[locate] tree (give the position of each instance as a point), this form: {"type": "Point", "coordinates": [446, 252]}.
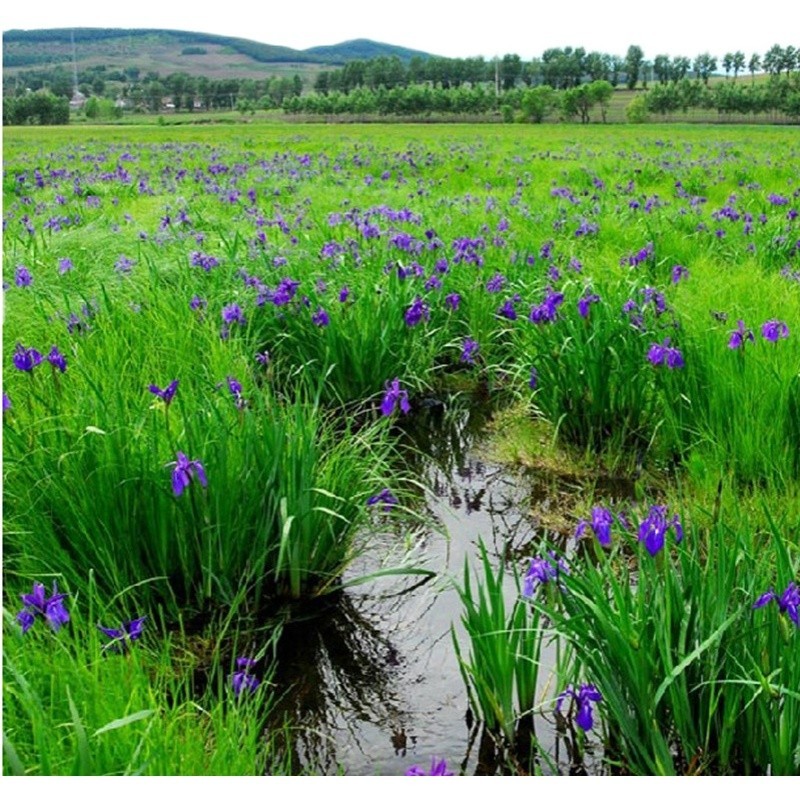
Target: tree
{"type": "Point", "coordinates": [602, 92]}
{"type": "Point", "coordinates": [680, 68]}
{"type": "Point", "coordinates": [537, 103]}
{"type": "Point", "coordinates": [773, 59]}
{"type": "Point", "coordinates": [510, 70]}
{"type": "Point", "coordinates": [633, 64]}
{"type": "Point", "coordinates": [704, 65]}
{"type": "Point", "coordinates": [727, 63]}
{"type": "Point", "coordinates": [754, 65]}
{"type": "Point", "coordinates": [662, 68]}
{"type": "Point", "coordinates": [738, 63]}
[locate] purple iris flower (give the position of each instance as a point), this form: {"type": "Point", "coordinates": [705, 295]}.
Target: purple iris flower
{"type": "Point", "coordinates": [438, 767]}
{"type": "Point", "coordinates": [26, 358]}
{"type": "Point", "coordinates": [38, 604]}
{"type": "Point", "coordinates": [320, 318]}
{"type": "Point", "coordinates": [585, 303]}
{"type": "Point", "coordinates": [417, 312]}
{"type": "Point", "coordinates": [584, 697]}
{"type": "Point", "coordinates": [22, 276]}
{"type": "Point", "coordinates": [183, 473]}
{"type": "Point", "coordinates": [385, 498]}
{"type": "Point", "coordinates": [65, 265]}
{"type": "Point", "coordinates": [243, 679]}
{"type": "Point", "coordinates": [740, 336]}
{"type": "Point", "coordinates": [6, 403]}
{"type": "Point", "coordinates": [654, 527]}
{"type": "Point", "coordinates": [507, 310]}
{"type": "Point", "coordinates": [452, 301]}
{"type": "Point", "coordinates": [469, 350]}
{"type": "Point", "coordinates": [344, 293]}
{"type": "Point", "coordinates": [542, 570]}
{"type": "Point", "coordinates": [659, 354]}
{"type": "Point", "coordinates": [129, 632]}
{"type": "Point", "coordinates": [233, 313]}
{"type": "Point", "coordinates": [167, 393]}
{"type": "Point", "coordinates": [495, 283]}
{"type": "Point", "coordinates": [774, 329]}
{"type": "Point", "coordinates": [679, 273]}
{"type": "Point", "coordinates": [56, 358]}
{"type": "Point", "coordinates": [600, 524]}
{"type": "Point", "coordinates": [533, 380]}
{"type": "Point", "coordinates": [394, 397]}
{"type": "Point", "coordinates": [788, 602]}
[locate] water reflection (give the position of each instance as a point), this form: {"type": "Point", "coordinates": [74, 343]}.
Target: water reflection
{"type": "Point", "coordinates": [372, 680]}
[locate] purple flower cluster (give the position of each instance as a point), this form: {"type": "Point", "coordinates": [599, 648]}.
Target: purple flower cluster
{"type": "Point", "coordinates": [653, 529]}
{"type": "Point", "coordinates": [438, 768]}
{"type": "Point", "coordinates": [417, 312]}
{"type": "Point", "coordinates": [37, 604]}
{"type": "Point", "coordinates": [393, 397]}
{"type": "Point", "coordinates": [788, 602]}
{"type": "Point", "coordinates": [469, 349]}
{"type": "Point", "coordinates": [660, 354]}
{"type": "Point", "coordinates": [774, 329]}
{"type": "Point", "coordinates": [183, 473]}
{"type": "Point", "coordinates": [167, 394]}
{"type": "Point", "coordinates": [547, 310]}
{"type": "Point", "coordinates": [384, 498]}
{"type": "Point", "coordinates": [600, 524]}
{"type": "Point", "coordinates": [243, 680]}
{"type": "Point", "coordinates": [740, 336]}
{"type": "Point", "coordinates": [583, 697]}
{"type": "Point", "coordinates": [120, 637]}
{"type": "Point", "coordinates": [639, 257]}
{"type": "Point", "coordinates": [542, 570]}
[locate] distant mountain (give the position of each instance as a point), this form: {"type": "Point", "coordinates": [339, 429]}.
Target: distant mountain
{"type": "Point", "coordinates": [167, 51]}
{"type": "Point", "coordinates": [362, 49]}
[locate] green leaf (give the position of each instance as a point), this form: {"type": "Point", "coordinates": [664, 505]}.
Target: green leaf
{"type": "Point", "coordinates": [123, 721]}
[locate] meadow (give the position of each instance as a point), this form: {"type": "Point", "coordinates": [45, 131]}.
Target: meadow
{"type": "Point", "coordinates": [215, 340]}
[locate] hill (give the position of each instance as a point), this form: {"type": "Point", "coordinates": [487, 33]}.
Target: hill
{"type": "Point", "coordinates": [167, 51]}
{"type": "Point", "coordinates": [362, 49]}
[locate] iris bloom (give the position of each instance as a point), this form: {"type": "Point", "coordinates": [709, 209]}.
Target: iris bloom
{"type": "Point", "coordinates": [320, 318]}
{"type": "Point", "coordinates": [469, 350]}
{"type": "Point", "coordinates": [740, 336]}
{"type": "Point", "coordinates": [584, 696]}
{"type": "Point", "coordinates": [533, 380]}
{"type": "Point", "coordinates": [56, 358]}
{"type": "Point", "coordinates": [788, 602]}
{"type": "Point", "coordinates": [242, 679]}
{"type": "Point", "coordinates": [393, 397]}
{"type": "Point", "coordinates": [23, 277]}
{"type": "Point", "coordinates": [659, 354]}
{"type": "Point", "coordinates": [600, 524]}
{"type": "Point", "coordinates": [542, 570]}
{"type": "Point", "coordinates": [167, 393]}
{"type": "Point", "coordinates": [129, 632]}
{"type": "Point", "coordinates": [417, 312]}
{"type": "Point", "coordinates": [774, 329]}
{"type": "Point", "coordinates": [385, 498]}
{"type": "Point", "coordinates": [26, 358]}
{"type": "Point", "coordinates": [438, 767]}
{"type": "Point", "coordinates": [37, 603]}
{"type": "Point", "coordinates": [183, 473]}
{"type": "Point", "coordinates": [653, 529]}
{"type": "Point", "coordinates": [585, 303]}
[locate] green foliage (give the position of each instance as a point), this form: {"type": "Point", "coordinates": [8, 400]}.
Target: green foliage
{"type": "Point", "coordinates": [502, 667]}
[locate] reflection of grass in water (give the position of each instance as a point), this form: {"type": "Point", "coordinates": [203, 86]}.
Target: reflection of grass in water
{"type": "Point", "coordinates": [336, 672]}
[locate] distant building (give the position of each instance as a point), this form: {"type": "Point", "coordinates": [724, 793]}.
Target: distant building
{"type": "Point", "coordinates": [78, 100]}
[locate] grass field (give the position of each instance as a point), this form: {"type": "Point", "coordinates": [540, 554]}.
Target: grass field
{"type": "Point", "coordinates": [213, 335]}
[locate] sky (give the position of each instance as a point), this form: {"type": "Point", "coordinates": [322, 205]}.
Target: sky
{"type": "Point", "coordinates": [447, 27]}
